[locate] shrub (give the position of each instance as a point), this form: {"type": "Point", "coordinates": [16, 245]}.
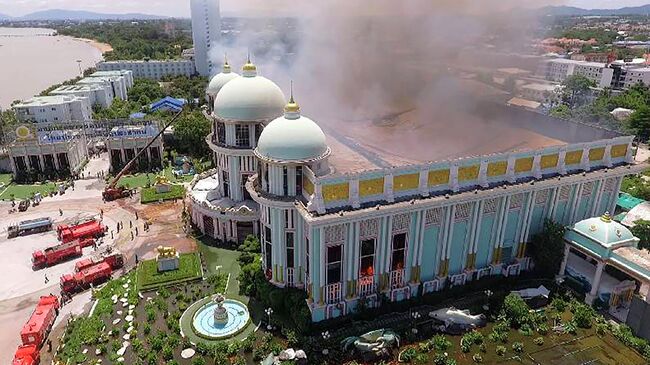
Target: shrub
{"type": "Point", "coordinates": [516, 310]}
{"type": "Point", "coordinates": [146, 329]}
{"type": "Point", "coordinates": [583, 315]}
{"type": "Point", "coordinates": [408, 355]}
{"type": "Point", "coordinates": [477, 358]}
{"type": "Point", "coordinates": [526, 330]}
{"type": "Point", "coordinates": [559, 304]}
{"type": "Point", "coordinates": [198, 360]}
{"type": "Point", "coordinates": [539, 341]}
{"type": "Point", "coordinates": [571, 327]}
{"type": "Point", "coordinates": [482, 348]}
{"type": "Point", "coordinates": [542, 329]}
{"type": "Point", "coordinates": [441, 343]}
{"type": "Point", "coordinates": [167, 353]}
{"type": "Point", "coordinates": [518, 347]}
{"type": "Point", "coordinates": [601, 329]}
{"type": "Point", "coordinates": [501, 350]}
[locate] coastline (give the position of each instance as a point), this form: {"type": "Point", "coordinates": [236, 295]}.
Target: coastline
{"type": "Point", "coordinates": [102, 47]}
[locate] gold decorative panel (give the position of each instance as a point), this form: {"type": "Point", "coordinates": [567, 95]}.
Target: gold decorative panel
{"type": "Point", "coordinates": [573, 158]}
{"type": "Point", "coordinates": [549, 161]}
{"type": "Point", "coordinates": [497, 168]}
{"type": "Point", "coordinates": [523, 164]}
{"type": "Point", "coordinates": [406, 182]}
{"type": "Point", "coordinates": [468, 173]}
{"type": "Point", "coordinates": [619, 151]}
{"type": "Point", "coordinates": [596, 154]}
{"type": "Point", "coordinates": [371, 187]}
{"type": "Point", "coordinates": [438, 177]}
{"type": "Point", "coordinates": [307, 186]}
{"type": "Point", "coordinates": [336, 192]}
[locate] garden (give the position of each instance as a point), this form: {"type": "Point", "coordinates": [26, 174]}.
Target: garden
{"type": "Point", "coordinates": [131, 326]}
{"type": "Point", "coordinates": [150, 195]}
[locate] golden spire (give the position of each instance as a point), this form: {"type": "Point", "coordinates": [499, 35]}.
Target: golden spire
{"type": "Point", "coordinates": [226, 65]}
{"type": "Point", "coordinates": [606, 217]}
{"type": "Point", "coordinates": [249, 66]}
{"type": "Point", "coordinates": [292, 106]}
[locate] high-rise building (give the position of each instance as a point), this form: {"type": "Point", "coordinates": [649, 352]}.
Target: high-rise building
{"type": "Point", "coordinates": [206, 32]}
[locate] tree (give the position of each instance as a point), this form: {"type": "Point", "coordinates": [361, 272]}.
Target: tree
{"type": "Point", "coordinates": [639, 122]}
{"type": "Point", "coordinates": [641, 230]}
{"type": "Point", "coordinates": [190, 132]}
{"type": "Point", "coordinates": [576, 89]}
{"type": "Point", "coordinates": [561, 111]}
{"type": "Point", "coordinates": [547, 248]}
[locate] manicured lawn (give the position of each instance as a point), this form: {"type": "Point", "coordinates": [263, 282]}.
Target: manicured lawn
{"type": "Point", "coordinates": [222, 261]}
{"type": "Point", "coordinates": [149, 195]}
{"type": "Point", "coordinates": [149, 277]}
{"type": "Point", "coordinates": [141, 180]}
{"type": "Point", "coordinates": [21, 192]}
{"type": "Point", "coordinates": [5, 179]}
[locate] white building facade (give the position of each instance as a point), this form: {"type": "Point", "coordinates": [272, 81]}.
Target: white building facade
{"type": "Point", "coordinates": [125, 142]}
{"type": "Point", "coordinates": [151, 69]}
{"type": "Point", "coordinates": [206, 33]}
{"type": "Point", "coordinates": [97, 94]}
{"type": "Point", "coordinates": [53, 109]}
{"type": "Point", "coordinates": [52, 153]}
{"type": "Point", "coordinates": [118, 84]}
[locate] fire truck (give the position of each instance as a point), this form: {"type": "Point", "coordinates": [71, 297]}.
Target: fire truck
{"type": "Point", "coordinates": [35, 331]}
{"type": "Point", "coordinates": [89, 229]}
{"type": "Point", "coordinates": [56, 254]}
{"type": "Point", "coordinates": [73, 283]}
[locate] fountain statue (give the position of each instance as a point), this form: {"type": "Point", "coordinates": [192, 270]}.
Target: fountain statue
{"type": "Point", "coordinates": [220, 313]}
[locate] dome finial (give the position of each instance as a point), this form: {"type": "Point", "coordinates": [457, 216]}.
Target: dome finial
{"type": "Point", "coordinates": [606, 218]}
{"type": "Point", "coordinates": [292, 109]}
{"type": "Point", "coordinates": [249, 69]}
{"type": "Point", "coordinates": [226, 65]}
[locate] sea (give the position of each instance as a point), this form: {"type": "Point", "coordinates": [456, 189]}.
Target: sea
{"type": "Point", "coordinates": [32, 59]}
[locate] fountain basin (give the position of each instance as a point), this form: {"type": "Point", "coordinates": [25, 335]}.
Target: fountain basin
{"type": "Point", "coordinates": [204, 325]}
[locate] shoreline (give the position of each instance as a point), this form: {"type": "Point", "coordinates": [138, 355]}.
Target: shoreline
{"type": "Point", "coordinates": [102, 47]}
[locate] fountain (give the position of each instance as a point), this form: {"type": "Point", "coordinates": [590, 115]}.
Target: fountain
{"type": "Point", "coordinates": [220, 318]}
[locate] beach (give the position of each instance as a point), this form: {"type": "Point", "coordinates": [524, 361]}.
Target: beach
{"type": "Point", "coordinates": [32, 59]}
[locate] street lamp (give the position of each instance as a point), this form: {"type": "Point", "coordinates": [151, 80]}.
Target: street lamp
{"type": "Point", "coordinates": [80, 70]}
{"type": "Point", "coordinates": [268, 312]}
{"type": "Point", "coordinates": [415, 315]}
{"type": "Point", "coordinates": [488, 294]}
{"type": "Point", "coordinates": [326, 336]}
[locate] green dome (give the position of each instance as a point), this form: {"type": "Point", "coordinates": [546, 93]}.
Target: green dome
{"type": "Point", "coordinates": [249, 98]}
{"type": "Point", "coordinates": [604, 230]}
{"type": "Point", "coordinates": [292, 138]}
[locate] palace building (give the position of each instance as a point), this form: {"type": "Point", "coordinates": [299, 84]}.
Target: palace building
{"type": "Point", "coordinates": [397, 205]}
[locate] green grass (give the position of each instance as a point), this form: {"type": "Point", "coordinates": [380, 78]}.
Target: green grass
{"type": "Point", "coordinates": [80, 332]}
{"type": "Point", "coordinates": [222, 261]}
{"type": "Point", "coordinates": [5, 179]}
{"type": "Point", "coordinates": [149, 278]}
{"type": "Point", "coordinates": [149, 195]}
{"type": "Point", "coordinates": [141, 180]}
{"type": "Point", "coordinates": [21, 192]}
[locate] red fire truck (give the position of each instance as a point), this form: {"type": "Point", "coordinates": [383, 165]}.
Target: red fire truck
{"type": "Point", "coordinates": [56, 254]}
{"type": "Point", "coordinates": [72, 283]}
{"type": "Point", "coordinates": [27, 355]}
{"type": "Point", "coordinates": [89, 229]}
{"type": "Point", "coordinates": [115, 260]}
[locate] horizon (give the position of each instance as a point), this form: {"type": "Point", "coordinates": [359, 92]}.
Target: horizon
{"type": "Point", "coordinates": [181, 9]}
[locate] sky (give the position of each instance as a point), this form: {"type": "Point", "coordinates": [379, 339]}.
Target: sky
{"type": "Point", "coordinates": [180, 8]}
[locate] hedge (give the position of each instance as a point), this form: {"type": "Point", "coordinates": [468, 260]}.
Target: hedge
{"type": "Point", "coordinates": [149, 195]}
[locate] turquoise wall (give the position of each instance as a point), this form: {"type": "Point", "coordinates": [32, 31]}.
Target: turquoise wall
{"type": "Point", "coordinates": [458, 247]}
{"type": "Point", "coordinates": [317, 261]}
{"type": "Point", "coordinates": [429, 251]}
{"type": "Point", "coordinates": [485, 241]}
{"type": "Point", "coordinates": [537, 220]}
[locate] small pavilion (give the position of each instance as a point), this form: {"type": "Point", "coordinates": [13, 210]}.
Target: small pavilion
{"type": "Point", "coordinates": [604, 255]}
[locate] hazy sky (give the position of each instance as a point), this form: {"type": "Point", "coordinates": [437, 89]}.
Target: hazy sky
{"type": "Point", "coordinates": [181, 7]}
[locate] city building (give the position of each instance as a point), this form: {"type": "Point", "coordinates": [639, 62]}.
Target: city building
{"type": "Point", "coordinates": [151, 69]}
{"type": "Point", "coordinates": [353, 218]}
{"type": "Point", "coordinates": [206, 33]}
{"type": "Point", "coordinates": [47, 152]}
{"type": "Point", "coordinates": [117, 83]}
{"type": "Point", "coordinates": [542, 93]}
{"type": "Point", "coordinates": [619, 74]}
{"type": "Point", "coordinates": [53, 109]}
{"type": "Point", "coordinates": [125, 142]}
{"type": "Point", "coordinates": [97, 94]}
{"type": "Point", "coordinates": [127, 74]}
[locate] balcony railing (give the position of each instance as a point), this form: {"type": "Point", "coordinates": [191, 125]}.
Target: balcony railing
{"type": "Point", "coordinates": [397, 279]}
{"type": "Point", "coordinates": [333, 293]}
{"type": "Point", "coordinates": [366, 286]}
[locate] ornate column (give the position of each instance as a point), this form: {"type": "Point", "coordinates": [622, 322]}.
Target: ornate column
{"type": "Point", "coordinates": [561, 163]}
{"type": "Point", "coordinates": [595, 283]}
{"type": "Point", "coordinates": [388, 187]}
{"type": "Point", "coordinates": [354, 193]}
